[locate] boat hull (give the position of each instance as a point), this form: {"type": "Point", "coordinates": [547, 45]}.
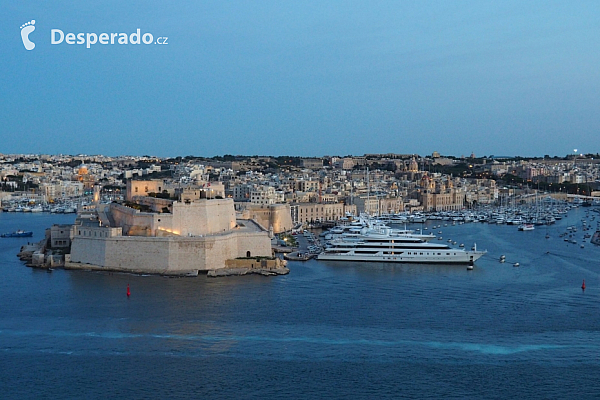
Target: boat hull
{"type": "Point", "coordinates": [17, 234]}
{"type": "Point", "coordinates": [452, 257]}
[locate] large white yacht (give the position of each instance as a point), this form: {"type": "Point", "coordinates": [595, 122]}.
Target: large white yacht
{"type": "Point", "coordinates": [389, 247]}
{"type": "Point", "coordinates": [365, 225]}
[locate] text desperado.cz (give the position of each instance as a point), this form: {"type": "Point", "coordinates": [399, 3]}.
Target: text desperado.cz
{"type": "Point", "coordinates": [57, 37]}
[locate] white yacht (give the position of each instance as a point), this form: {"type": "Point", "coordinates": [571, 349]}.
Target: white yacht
{"type": "Point", "coordinates": [383, 230]}
{"type": "Point", "coordinates": [398, 219]}
{"type": "Point", "coordinates": [365, 226]}
{"type": "Point", "coordinates": [417, 218]}
{"type": "Point", "coordinates": [387, 247]}
{"type": "Point", "coordinates": [526, 227]}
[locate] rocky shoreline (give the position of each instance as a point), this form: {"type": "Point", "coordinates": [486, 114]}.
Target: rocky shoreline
{"type": "Point", "coordinates": [248, 266]}
{"type": "Point", "coordinates": [216, 273]}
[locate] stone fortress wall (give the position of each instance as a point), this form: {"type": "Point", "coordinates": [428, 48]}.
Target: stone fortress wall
{"type": "Point", "coordinates": [200, 217]}
{"type": "Point", "coordinates": [197, 234]}
{"type": "Point", "coordinates": [166, 255]}
{"type": "Point", "coordinates": [272, 216]}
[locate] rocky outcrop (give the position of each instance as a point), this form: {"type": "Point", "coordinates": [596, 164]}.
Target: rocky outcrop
{"type": "Point", "coordinates": [26, 252]}
{"type": "Point", "coordinates": [249, 266]}
{"type": "Point", "coordinates": [34, 254]}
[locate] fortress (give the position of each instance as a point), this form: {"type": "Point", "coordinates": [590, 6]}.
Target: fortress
{"type": "Point", "coordinates": [161, 235]}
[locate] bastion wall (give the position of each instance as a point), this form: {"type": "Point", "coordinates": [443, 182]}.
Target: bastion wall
{"type": "Point", "coordinates": [199, 217]}
{"type": "Point", "coordinates": [277, 216]}
{"type": "Point", "coordinates": [166, 255]}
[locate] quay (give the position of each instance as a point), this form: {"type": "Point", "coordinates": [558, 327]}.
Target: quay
{"type": "Point", "coordinates": [303, 252]}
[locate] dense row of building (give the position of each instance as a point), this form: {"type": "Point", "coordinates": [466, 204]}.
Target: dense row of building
{"type": "Point", "coordinates": [279, 195]}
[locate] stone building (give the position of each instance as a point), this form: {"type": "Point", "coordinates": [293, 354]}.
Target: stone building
{"type": "Point", "coordinates": [164, 236]}
{"type": "Point", "coordinates": [263, 195]}
{"type": "Point", "coordinates": [438, 195]}
{"type": "Point", "coordinates": [312, 163]}
{"type": "Point", "coordinates": [319, 212]}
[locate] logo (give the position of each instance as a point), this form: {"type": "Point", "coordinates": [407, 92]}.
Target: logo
{"type": "Point", "coordinates": [26, 29]}
{"type": "Point", "coordinates": [57, 36]}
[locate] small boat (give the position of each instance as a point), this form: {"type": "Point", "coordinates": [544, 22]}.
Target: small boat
{"type": "Point", "coordinates": [526, 227]}
{"type": "Point", "coordinates": [18, 233]}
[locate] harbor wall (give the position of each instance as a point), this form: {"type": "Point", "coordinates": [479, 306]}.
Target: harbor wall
{"type": "Point", "coordinates": [166, 255]}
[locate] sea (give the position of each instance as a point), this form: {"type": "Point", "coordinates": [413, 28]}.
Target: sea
{"type": "Point", "coordinates": [327, 330]}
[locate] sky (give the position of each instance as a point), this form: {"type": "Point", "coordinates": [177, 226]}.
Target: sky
{"type": "Point", "coordinates": [302, 78]}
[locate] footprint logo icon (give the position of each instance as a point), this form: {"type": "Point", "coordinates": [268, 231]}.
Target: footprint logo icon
{"type": "Point", "coordinates": [26, 29]}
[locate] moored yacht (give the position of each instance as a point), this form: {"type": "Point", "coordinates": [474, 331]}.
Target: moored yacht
{"type": "Point", "coordinates": [365, 226]}
{"type": "Point", "coordinates": [385, 247]}
{"type": "Point", "coordinates": [526, 227]}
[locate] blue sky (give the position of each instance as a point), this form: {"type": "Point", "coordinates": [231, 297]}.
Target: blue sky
{"type": "Point", "coordinates": [304, 78]}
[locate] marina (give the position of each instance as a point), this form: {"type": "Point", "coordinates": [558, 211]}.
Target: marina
{"type": "Point", "coordinates": [373, 238]}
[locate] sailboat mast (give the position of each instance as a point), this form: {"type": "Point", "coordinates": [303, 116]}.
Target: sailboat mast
{"type": "Point", "coordinates": [368, 193]}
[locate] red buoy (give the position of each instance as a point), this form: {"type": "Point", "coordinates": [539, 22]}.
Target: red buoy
{"type": "Point", "coordinates": [129, 293]}
{"type": "Point", "coordinates": [583, 285]}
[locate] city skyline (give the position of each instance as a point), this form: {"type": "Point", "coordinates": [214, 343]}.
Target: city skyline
{"type": "Point", "coordinates": [304, 79]}
{"type": "Point", "coordinates": [430, 155]}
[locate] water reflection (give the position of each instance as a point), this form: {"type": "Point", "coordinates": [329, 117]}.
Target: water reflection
{"type": "Point", "coordinates": [399, 269]}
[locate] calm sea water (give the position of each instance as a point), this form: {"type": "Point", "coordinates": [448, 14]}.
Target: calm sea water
{"type": "Point", "coordinates": [326, 330]}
